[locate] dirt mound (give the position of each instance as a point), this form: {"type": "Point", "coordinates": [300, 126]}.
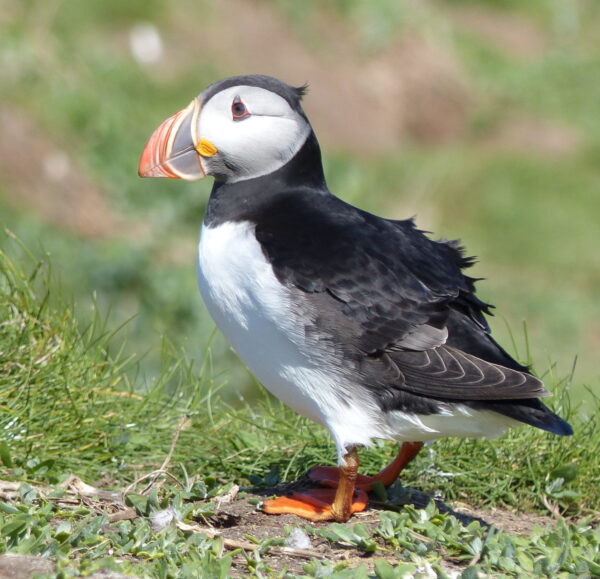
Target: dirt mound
{"type": "Point", "coordinates": [41, 175]}
{"type": "Point", "coordinates": [535, 135]}
{"type": "Point", "coordinates": [514, 36]}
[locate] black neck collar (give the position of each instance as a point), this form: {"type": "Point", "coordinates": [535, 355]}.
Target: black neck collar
{"type": "Point", "coordinates": [240, 200]}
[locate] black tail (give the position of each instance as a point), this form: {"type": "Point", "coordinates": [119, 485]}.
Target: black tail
{"type": "Point", "coordinates": [530, 411]}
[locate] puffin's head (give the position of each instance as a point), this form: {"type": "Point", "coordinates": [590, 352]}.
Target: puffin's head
{"type": "Point", "coordinates": [238, 128]}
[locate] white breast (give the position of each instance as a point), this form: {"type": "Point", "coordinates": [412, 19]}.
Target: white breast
{"type": "Point", "coordinates": [263, 322]}
{"type": "Point", "coordinates": [253, 311]}
{"type": "Point", "coordinates": [258, 317]}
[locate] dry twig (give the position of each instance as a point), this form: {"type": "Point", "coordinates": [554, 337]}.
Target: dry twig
{"type": "Point", "coordinates": [164, 466]}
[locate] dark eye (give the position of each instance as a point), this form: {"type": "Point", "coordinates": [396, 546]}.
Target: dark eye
{"type": "Point", "coordinates": [238, 110]}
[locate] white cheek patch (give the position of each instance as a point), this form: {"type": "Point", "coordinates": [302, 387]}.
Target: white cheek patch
{"type": "Point", "coordinates": [260, 143]}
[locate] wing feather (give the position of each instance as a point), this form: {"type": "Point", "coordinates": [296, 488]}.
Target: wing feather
{"type": "Point", "coordinates": [389, 294]}
{"type": "Point", "coordinates": [447, 373]}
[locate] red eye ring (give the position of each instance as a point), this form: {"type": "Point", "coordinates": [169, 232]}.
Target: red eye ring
{"type": "Point", "coordinates": [239, 110]}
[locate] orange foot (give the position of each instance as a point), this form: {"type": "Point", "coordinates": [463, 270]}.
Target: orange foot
{"type": "Point", "coordinates": [315, 505]}
{"type": "Point", "coordinates": [348, 492]}
{"type": "Point", "coordinates": [329, 476]}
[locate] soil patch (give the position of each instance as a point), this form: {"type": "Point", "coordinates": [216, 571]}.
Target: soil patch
{"type": "Point", "coordinates": [41, 175]}
{"type": "Point", "coordinates": [534, 135]}
{"type": "Point", "coordinates": [241, 518]}
{"type": "Point", "coordinates": [239, 522]}
{"type": "Point", "coordinates": [513, 35]}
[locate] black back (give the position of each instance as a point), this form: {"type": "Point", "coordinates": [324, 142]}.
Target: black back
{"type": "Point", "coordinates": [395, 303]}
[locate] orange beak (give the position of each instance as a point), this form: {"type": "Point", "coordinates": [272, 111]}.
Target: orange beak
{"type": "Point", "coordinates": [172, 149]}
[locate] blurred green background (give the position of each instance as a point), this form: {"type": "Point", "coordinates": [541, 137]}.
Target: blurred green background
{"type": "Point", "coordinates": [482, 118]}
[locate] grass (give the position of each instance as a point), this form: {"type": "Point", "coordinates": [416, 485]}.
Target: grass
{"type": "Point", "coordinates": [400, 545]}
{"type": "Point", "coordinates": [68, 407]}
{"type": "Point", "coordinates": [528, 216]}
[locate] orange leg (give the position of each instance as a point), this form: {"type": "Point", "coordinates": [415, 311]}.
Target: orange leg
{"type": "Point", "coordinates": [325, 504]}
{"type": "Point", "coordinates": [348, 492]}
{"type": "Point", "coordinates": [329, 475]}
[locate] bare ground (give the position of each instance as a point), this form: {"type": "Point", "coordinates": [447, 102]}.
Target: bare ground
{"type": "Point", "coordinates": [241, 518]}
{"type": "Point", "coordinates": [529, 135]}
{"type": "Point", "coordinates": [45, 178]}
{"type": "Point", "coordinates": [238, 518]}
{"type": "Point", "coordinates": [513, 35]}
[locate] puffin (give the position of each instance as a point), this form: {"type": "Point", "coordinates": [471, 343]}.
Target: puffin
{"type": "Point", "coordinates": [365, 325]}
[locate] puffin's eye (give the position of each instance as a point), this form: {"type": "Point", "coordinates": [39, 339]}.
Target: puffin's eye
{"type": "Point", "coordinates": [238, 110]}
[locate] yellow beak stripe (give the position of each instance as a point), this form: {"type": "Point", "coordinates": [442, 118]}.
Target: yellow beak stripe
{"type": "Point", "coordinates": [205, 148]}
